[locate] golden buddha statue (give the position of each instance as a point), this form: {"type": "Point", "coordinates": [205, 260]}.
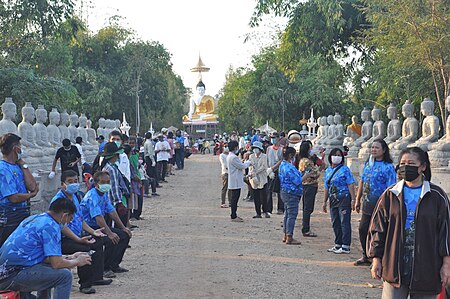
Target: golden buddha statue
{"type": "Point", "coordinates": [201, 106]}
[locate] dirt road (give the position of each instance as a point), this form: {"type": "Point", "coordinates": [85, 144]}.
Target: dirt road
{"type": "Point", "coordinates": [187, 247]}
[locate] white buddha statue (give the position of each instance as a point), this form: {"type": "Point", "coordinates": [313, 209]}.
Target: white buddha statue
{"type": "Point", "coordinates": [116, 125]}
{"type": "Point", "coordinates": [338, 138]}
{"type": "Point", "coordinates": [430, 125]}
{"type": "Point", "coordinates": [394, 128]}
{"type": "Point", "coordinates": [9, 111]}
{"type": "Point", "coordinates": [410, 128]}
{"type": "Point", "coordinates": [40, 129]}
{"type": "Point", "coordinates": [73, 131]}
{"type": "Point", "coordinates": [64, 121]}
{"type": "Point", "coordinates": [82, 132]}
{"type": "Point", "coordinates": [101, 127]}
{"type": "Point", "coordinates": [378, 132]}
{"type": "Point", "coordinates": [322, 132]}
{"type": "Point", "coordinates": [54, 134]}
{"type": "Point", "coordinates": [353, 132]}
{"type": "Point", "coordinates": [331, 132]}
{"type": "Point", "coordinates": [366, 133]}
{"type": "Point", "coordinates": [91, 133]}
{"type": "Point", "coordinates": [25, 128]}
{"type": "Point", "coordinates": [440, 151]}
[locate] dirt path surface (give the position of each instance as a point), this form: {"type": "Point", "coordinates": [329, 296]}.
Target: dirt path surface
{"type": "Point", "coordinates": [187, 247]}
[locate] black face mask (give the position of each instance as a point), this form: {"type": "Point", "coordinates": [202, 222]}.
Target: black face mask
{"type": "Point", "coordinates": [408, 172]}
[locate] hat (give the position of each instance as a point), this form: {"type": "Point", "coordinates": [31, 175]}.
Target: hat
{"type": "Point", "coordinates": [294, 137]}
{"type": "Point", "coordinates": [111, 149]}
{"type": "Point", "coordinates": [274, 135]}
{"type": "Point", "coordinates": [258, 144]}
{"type": "Point", "coordinates": [100, 137]}
{"type": "Point", "coordinates": [160, 135]}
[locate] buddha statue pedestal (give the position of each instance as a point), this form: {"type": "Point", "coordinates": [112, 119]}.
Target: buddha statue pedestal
{"type": "Point", "coordinates": [439, 152]}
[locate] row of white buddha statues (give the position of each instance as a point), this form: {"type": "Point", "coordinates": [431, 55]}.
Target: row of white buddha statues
{"type": "Point", "coordinates": [397, 135]}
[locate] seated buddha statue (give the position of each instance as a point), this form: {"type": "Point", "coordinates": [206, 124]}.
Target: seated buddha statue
{"type": "Point", "coordinates": [201, 106]}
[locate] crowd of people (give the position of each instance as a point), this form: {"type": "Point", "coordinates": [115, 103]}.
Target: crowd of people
{"type": "Point", "coordinates": [404, 228]}
{"type": "Point", "coordinates": [89, 230]}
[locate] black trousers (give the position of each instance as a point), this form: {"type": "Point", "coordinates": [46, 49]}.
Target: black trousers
{"type": "Point", "coordinates": [363, 231]}
{"type": "Point", "coordinates": [151, 170]}
{"type": "Point", "coordinates": [235, 194]}
{"type": "Point", "coordinates": [5, 232]}
{"type": "Point", "coordinates": [137, 213]}
{"type": "Point", "coordinates": [308, 198]}
{"type": "Point", "coordinates": [89, 273]}
{"type": "Point", "coordinates": [161, 168]}
{"type": "Point", "coordinates": [260, 199]}
{"type": "Point", "coordinates": [114, 253]}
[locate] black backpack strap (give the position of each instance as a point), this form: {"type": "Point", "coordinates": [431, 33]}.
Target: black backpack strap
{"type": "Point", "coordinates": [334, 172]}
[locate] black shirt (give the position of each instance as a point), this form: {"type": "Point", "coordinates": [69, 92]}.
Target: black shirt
{"type": "Point", "coordinates": [67, 157]}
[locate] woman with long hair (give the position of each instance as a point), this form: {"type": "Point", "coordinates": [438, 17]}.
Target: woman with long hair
{"type": "Point", "coordinates": [409, 234]}
{"type": "Point", "coordinates": [340, 192]}
{"type": "Point", "coordinates": [310, 180]}
{"type": "Point", "coordinates": [378, 174]}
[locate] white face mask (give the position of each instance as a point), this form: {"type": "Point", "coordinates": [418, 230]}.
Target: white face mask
{"type": "Point", "coordinates": [336, 159]}
{"type": "Point", "coordinates": [257, 151]}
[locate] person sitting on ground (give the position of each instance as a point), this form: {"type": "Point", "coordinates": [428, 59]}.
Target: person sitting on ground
{"type": "Point", "coordinates": [73, 240]}
{"type": "Point", "coordinates": [94, 207]}
{"type": "Point", "coordinates": [31, 258]}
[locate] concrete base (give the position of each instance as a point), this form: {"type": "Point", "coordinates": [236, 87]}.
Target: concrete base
{"type": "Point", "coordinates": [439, 158]}
{"type": "Point", "coordinates": [441, 177]}
{"type": "Point", "coordinates": [356, 166]}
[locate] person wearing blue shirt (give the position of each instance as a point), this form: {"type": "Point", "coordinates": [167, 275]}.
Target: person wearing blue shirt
{"type": "Point", "coordinates": [73, 240]}
{"type": "Point", "coordinates": [31, 258]}
{"type": "Point", "coordinates": [340, 190]}
{"type": "Point", "coordinates": [101, 143]}
{"type": "Point", "coordinates": [17, 186]}
{"type": "Point", "coordinates": [291, 192]}
{"type": "Point", "coordinates": [94, 207]}
{"type": "Point", "coordinates": [378, 174]}
{"type": "Point", "coordinates": [256, 136]}
{"type": "Point", "coordinates": [179, 150]}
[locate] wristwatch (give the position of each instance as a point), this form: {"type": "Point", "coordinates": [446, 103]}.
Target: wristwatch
{"type": "Point", "coordinates": [25, 166]}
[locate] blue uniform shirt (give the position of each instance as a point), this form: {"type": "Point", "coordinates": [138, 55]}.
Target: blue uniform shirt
{"type": "Point", "coordinates": [376, 179]}
{"type": "Point", "coordinates": [411, 197]}
{"type": "Point", "coordinates": [94, 204]}
{"type": "Point", "coordinates": [341, 179]}
{"type": "Point", "coordinates": [36, 238]}
{"type": "Point", "coordinates": [76, 225]}
{"type": "Point", "coordinates": [12, 182]}
{"type": "Point", "coordinates": [290, 179]}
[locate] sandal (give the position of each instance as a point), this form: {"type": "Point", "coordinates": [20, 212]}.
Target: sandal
{"type": "Point", "coordinates": [309, 234]}
{"type": "Point", "coordinates": [362, 262]}
{"type": "Point", "coordinates": [224, 205]}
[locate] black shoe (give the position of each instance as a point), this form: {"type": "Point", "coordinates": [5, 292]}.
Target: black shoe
{"type": "Point", "coordinates": [119, 270]}
{"type": "Point", "coordinates": [257, 216]}
{"type": "Point", "coordinates": [134, 226]}
{"type": "Point", "coordinates": [158, 186]}
{"type": "Point", "coordinates": [87, 290]}
{"type": "Point", "coordinates": [102, 282]}
{"type": "Point", "coordinates": [155, 194]}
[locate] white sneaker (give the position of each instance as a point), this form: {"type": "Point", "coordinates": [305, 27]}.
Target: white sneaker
{"type": "Point", "coordinates": [342, 251]}
{"type": "Point", "coordinates": [333, 249]}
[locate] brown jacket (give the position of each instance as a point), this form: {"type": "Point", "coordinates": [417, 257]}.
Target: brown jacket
{"type": "Point", "coordinates": [432, 237]}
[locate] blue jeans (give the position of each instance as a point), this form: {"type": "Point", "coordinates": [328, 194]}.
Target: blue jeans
{"type": "Point", "coordinates": [179, 158]}
{"type": "Point", "coordinates": [340, 219]}
{"type": "Point", "coordinates": [290, 212]}
{"type": "Point", "coordinates": [42, 278]}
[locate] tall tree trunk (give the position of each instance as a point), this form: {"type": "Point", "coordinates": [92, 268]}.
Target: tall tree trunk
{"type": "Point", "coordinates": [138, 114]}
{"type": "Point", "coordinates": [439, 100]}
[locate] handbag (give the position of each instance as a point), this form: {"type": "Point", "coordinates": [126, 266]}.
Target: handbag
{"type": "Point", "coordinates": [333, 191]}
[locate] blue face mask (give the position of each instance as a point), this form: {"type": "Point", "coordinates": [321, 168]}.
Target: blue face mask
{"type": "Point", "coordinates": [104, 188]}
{"type": "Point", "coordinates": [61, 225]}
{"type": "Point", "coordinates": [72, 188]}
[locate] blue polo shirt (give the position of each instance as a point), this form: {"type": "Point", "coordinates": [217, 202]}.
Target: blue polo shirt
{"type": "Point", "coordinates": [36, 238]}
{"type": "Point", "coordinates": [290, 179]}
{"type": "Point", "coordinates": [76, 225]}
{"type": "Point", "coordinates": [12, 182]}
{"type": "Point", "coordinates": [93, 205]}
{"type": "Point", "coordinates": [341, 179]}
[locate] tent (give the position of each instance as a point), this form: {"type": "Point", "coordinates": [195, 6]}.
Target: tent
{"type": "Point", "coordinates": [266, 128]}
{"type": "Point", "coordinates": [172, 129]}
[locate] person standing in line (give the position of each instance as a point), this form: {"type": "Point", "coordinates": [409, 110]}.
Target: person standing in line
{"type": "Point", "coordinates": [310, 174]}
{"type": "Point", "coordinates": [86, 168]}
{"type": "Point", "coordinates": [171, 163]}
{"type": "Point", "coordinates": [235, 178]}
{"type": "Point", "coordinates": [162, 150]}
{"type": "Point", "coordinates": [378, 174]}
{"type": "Point", "coordinates": [291, 192]}
{"type": "Point", "coordinates": [409, 235]}
{"type": "Point", "coordinates": [17, 184]}
{"type": "Point", "coordinates": [340, 191]}
{"type": "Point", "coordinates": [258, 179]}
{"type": "Point", "coordinates": [224, 167]}
{"type": "Point", "coordinates": [101, 143]}
{"type": "Point", "coordinates": [274, 159]}
{"type": "Point", "coordinates": [149, 158]}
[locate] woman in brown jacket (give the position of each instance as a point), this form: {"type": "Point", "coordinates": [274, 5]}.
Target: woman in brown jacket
{"type": "Point", "coordinates": [409, 234]}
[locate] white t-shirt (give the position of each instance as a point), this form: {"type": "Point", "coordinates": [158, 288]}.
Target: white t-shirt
{"type": "Point", "coordinates": [162, 155]}
{"type": "Point", "coordinates": [83, 160]}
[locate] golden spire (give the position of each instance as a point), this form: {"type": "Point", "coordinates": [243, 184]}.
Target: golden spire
{"type": "Point", "coordinates": [200, 67]}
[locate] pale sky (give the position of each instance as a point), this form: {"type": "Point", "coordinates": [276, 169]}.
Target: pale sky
{"type": "Point", "coordinates": [214, 28]}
